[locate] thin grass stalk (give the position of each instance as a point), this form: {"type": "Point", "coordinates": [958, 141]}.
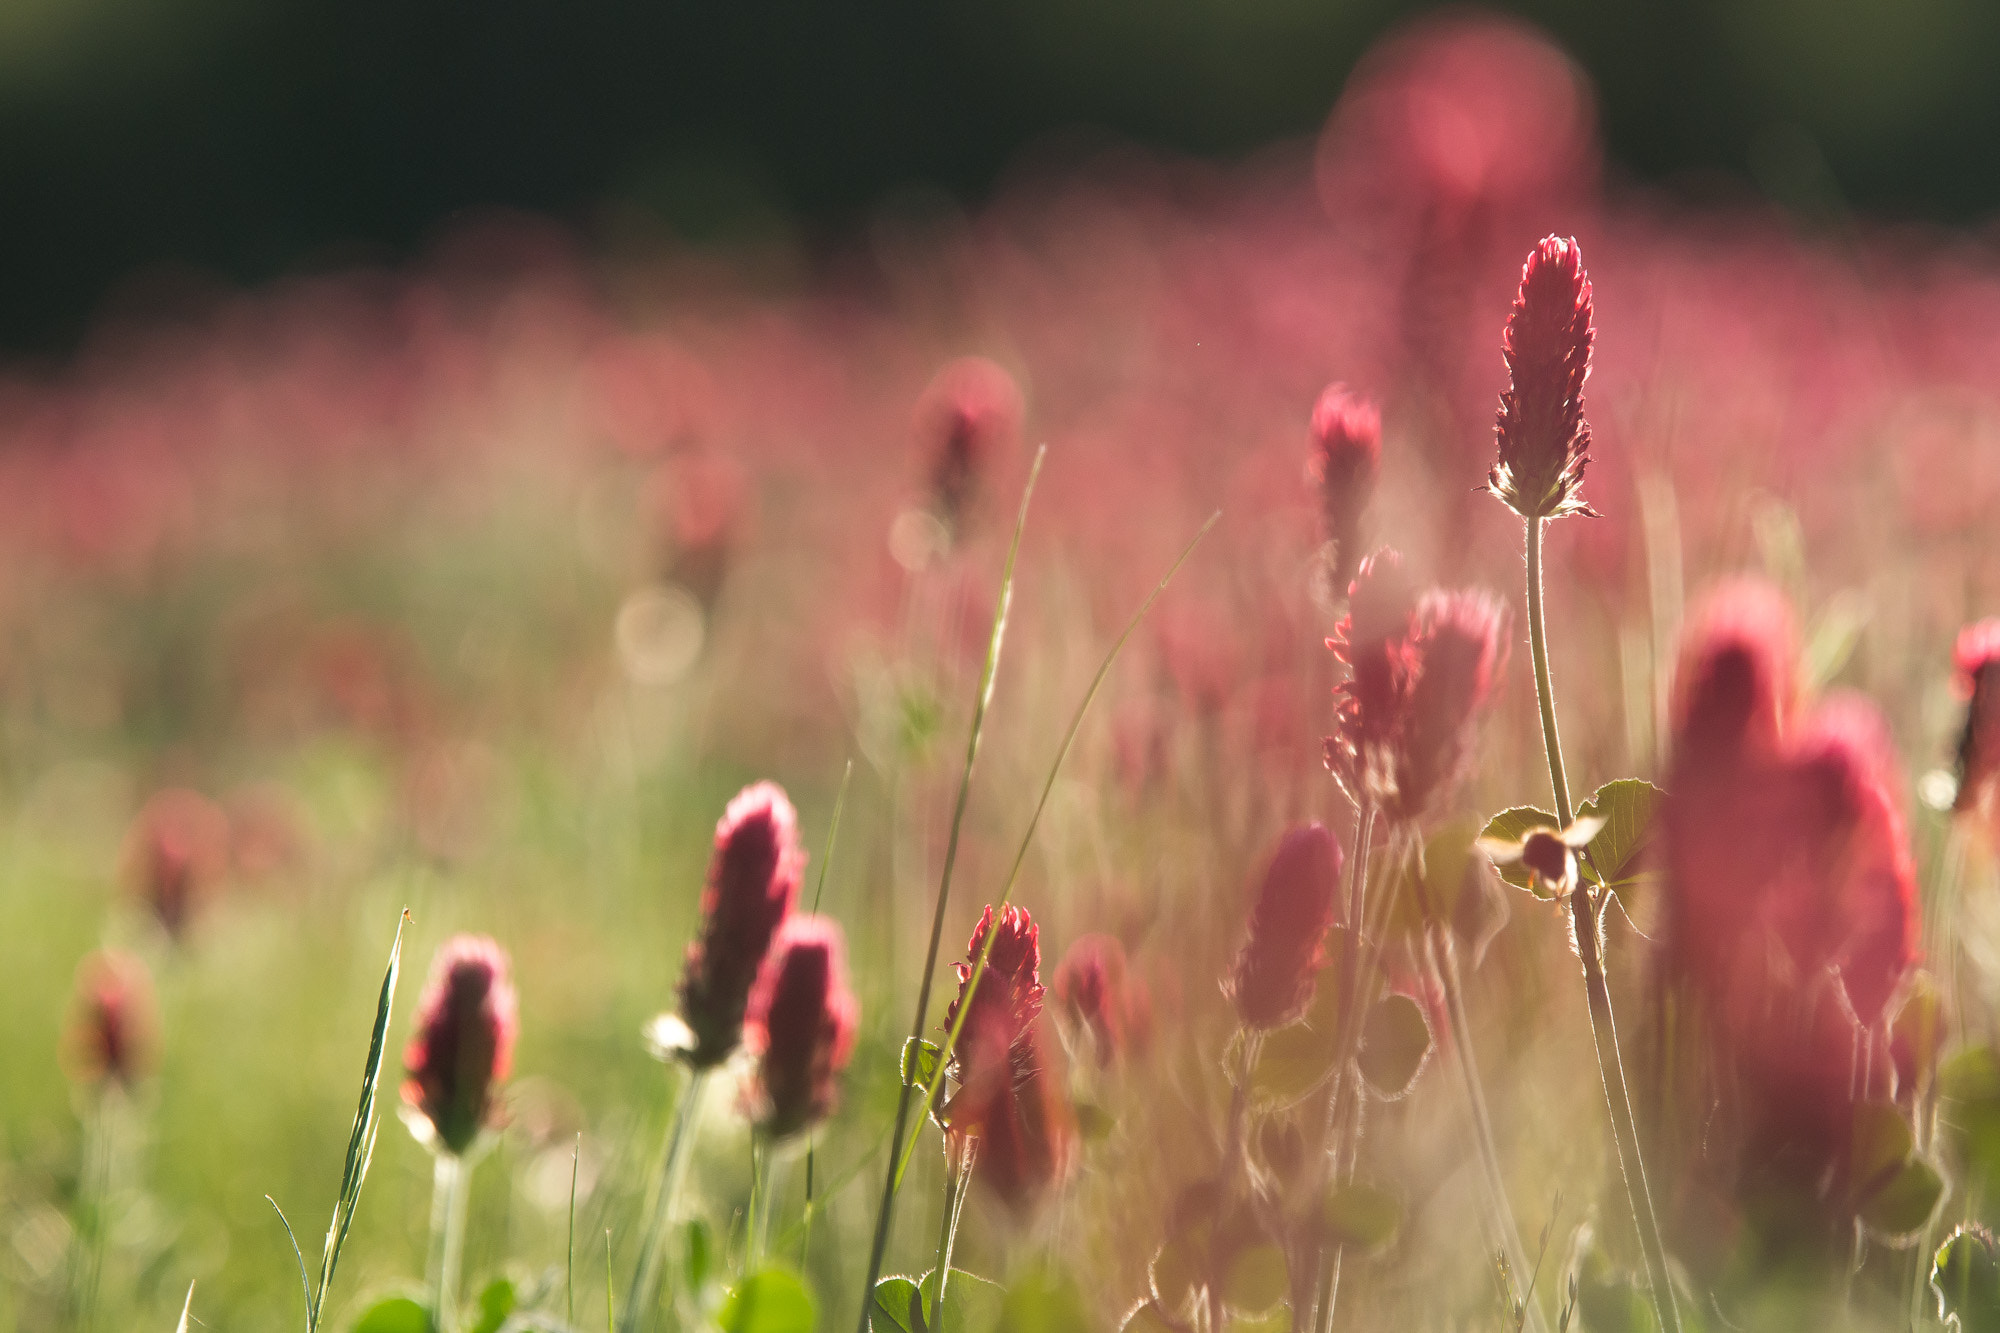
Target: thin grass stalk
{"type": "Point", "coordinates": [1027, 839]}
{"type": "Point", "coordinates": [757, 1220]}
{"type": "Point", "coordinates": [1451, 982]}
{"type": "Point", "coordinates": [645, 1293]}
{"type": "Point", "coordinates": [885, 1212]}
{"type": "Point", "coordinates": [1586, 914]}
{"type": "Point", "coordinates": [1941, 938]}
{"type": "Point", "coordinates": [94, 1182]}
{"type": "Point", "coordinates": [819, 891]}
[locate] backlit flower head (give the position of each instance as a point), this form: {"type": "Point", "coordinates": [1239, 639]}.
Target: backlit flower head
{"type": "Point", "coordinates": [1008, 1098]}
{"type": "Point", "coordinates": [1422, 671]}
{"type": "Point", "coordinates": [1097, 989]}
{"type": "Point", "coordinates": [113, 1035]}
{"type": "Point", "coordinates": [753, 879]}
{"type": "Point", "coordinates": [1544, 441]}
{"type": "Point", "coordinates": [969, 411]}
{"type": "Point", "coordinates": [1271, 983]}
{"type": "Point", "coordinates": [1345, 464]}
{"type": "Point", "coordinates": [176, 854]}
{"type": "Point", "coordinates": [1976, 663]}
{"type": "Point", "coordinates": [800, 1022]}
{"type": "Point", "coordinates": [463, 1048]}
{"type": "Point", "coordinates": [1735, 687]}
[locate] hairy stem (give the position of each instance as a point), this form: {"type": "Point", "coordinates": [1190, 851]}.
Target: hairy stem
{"type": "Point", "coordinates": [1603, 1028]}
{"type": "Point", "coordinates": [1328, 1264]}
{"type": "Point", "coordinates": [448, 1198]}
{"type": "Point", "coordinates": [645, 1293]}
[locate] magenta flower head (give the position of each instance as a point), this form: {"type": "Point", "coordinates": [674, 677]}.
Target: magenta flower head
{"type": "Point", "coordinates": [1008, 1098]}
{"type": "Point", "coordinates": [1373, 639]}
{"type": "Point", "coordinates": [800, 1022]}
{"type": "Point", "coordinates": [753, 879]}
{"type": "Point", "coordinates": [1735, 688]}
{"type": "Point", "coordinates": [1345, 464]}
{"type": "Point", "coordinates": [114, 1034]}
{"type": "Point", "coordinates": [1977, 676]}
{"type": "Point", "coordinates": [177, 854]}
{"type": "Point", "coordinates": [1544, 440]}
{"type": "Point", "coordinates": [464, 1044]}
{"type": "Point", "coordinates": [971, 410]}
{"type": "Point", "coordinates": [1272, 982]}
{"type": "Point", "coordinates": [1110, 1005]}
{"type": "Point", "coordinates": [1459, 647]}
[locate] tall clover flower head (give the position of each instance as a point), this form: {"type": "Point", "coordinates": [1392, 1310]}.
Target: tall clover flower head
{"type": "Point", "coordinates": [1103, 997]}
{"type": "Point", "coordinates": [177, 854]}
{"type": "Point", "coordinates": [1009, 1097]}
{"type": "Point", "coordinates": [463, 1047]}
{"type": "Point", "coordinates": [1271, 983]}
{"type": "Point", "coordinates": [1976, 663]}
{"type": "Point", "coordinates": [1544, 442]}
{"type": "Point", "coordinates": [967, 415]}
{"type": "Point", "coordinates": [1735, 688]}
{"type": "Point", "coordinates": [753, 879]}
{"type": "Point", "coordinates": [1422, 670]}
{"type": "Point", "coordinates": [1459, 647]}
{"type": "Point", "coordinates": [114, 1031]}
{"type": "Point", "coordinates": [800, 1022]}
{"type": "Point", "coordinates": [1345, 464]}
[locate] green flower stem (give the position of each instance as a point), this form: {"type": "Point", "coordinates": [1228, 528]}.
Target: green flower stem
{"type": "Point", "coordinates": [645, 1293]}
{"type": "Point", "coordinates": [1941, 941]}
{"type": "Point", "coordinates": [452, 1176]}
{"type": "Point", "coordinates": [1586, 913]}
{"type": "Point", "coordinates": [1328, 1264]}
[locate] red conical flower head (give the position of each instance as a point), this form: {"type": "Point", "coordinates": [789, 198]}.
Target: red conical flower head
{"type": "Point", "coordinates": [114, 1033]}
{"type": "Point", "coordinates": [1544, 442]}
{"type": "Point", "coordinates": [1976, 659]}
{"type": "Point", "coordinates": [1272, 981]}
{"type": "Point", "coordinates": [753, 879]}
{"type": "Point", "coordinates": [1345, 464]}
{"type": "Point", "coordinates": [800, 1022]}
{"type": "Point", "coordinates": [1102, 996]}
{"type": "Point", "coordinates": [463, 1048]}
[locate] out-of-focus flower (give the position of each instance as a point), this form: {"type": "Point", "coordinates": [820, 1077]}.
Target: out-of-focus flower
{"type": "Point", "coordinates": [1008, 1097]}
{"type": "Point", "coordinates": [1544, 442]}
{"type": "Point", "coordinates": [1422, 671]}
{"type": "Point", "coordinates": [800, 1022]}
{"type": "Point", "coordinates": [1345, 464]}
{"type": "Point", "coordinates": [1271, 983]}
{"type": "Point", "coordinates": [1736, 685]}
{"type": "Point", "coordinates": [463, 1048]}
{"type": "Point", "coordinates": [113, 1035]}
{"type": "Point", "coordinates": [177, 854]}
{"type": "Point", "coordinates": [1098, 990]}
{"type": "Point", "coordinates": [753, 879]}
{"type": "Point", "coordinates": [967, 414]}
{"type": "Point", "coordinates": [1976, 663]}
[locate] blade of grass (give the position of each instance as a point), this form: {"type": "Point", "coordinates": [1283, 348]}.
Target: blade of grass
{"type": "Point", "coordinates": [361, 1139]}
{"type": "Point", "coordinates": [1002, 605]}
{"type": "Point", "coordinates": [1028, 838]}
{"type": "Point", "coordinates": [607, 1281]}
{"type": "Point", "coordinates": [832, 835]}
{"type": "Point", "coordinates": [305, 1283]}
{"type": "Point", "coordinates": [569, 1261]}
{"type": "Point", "coordinates": [186, 1306]}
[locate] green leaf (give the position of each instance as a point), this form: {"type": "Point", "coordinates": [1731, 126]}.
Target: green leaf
{"type": "Point", "coordinates": [1278, 1319]}
{"type": "Point", "coordinates": [496, 1302]}
{"type": "Point", "coordinates": [1363, 1216]}
{"type": "Point", "coordinates": [1295, 1060]}
{"type": "Point", "coordinates": [1093, 1122]}
{"type": "Point", "coordinates": [1880, 1143]}
{"type": "Point", "coordinates": [399, 1314]}
{"type": "Point", "coordinates": [1969, 1081]}
{"type": "Point", "coordinates": [1395, 1039]}
{"type": "Point", "coordinates": [1965, 1279]}
{"type": "Point", "coordinates": [1512, 826]}
{"type": "Point", "coordinates": [971, 1303]}
{"type": "Point", "coordinates": [920, 1062]}
{"type": "Point", "coordinates": [771, 1300]}
{"type": "Point", "coordinates": [1627, 808]}
{"type": "Point", "coordinates": [890, 1310]}
{"type": "Point", "coordinates": [700, 1249]}
{"type": "Point", "coordinates": [1919, 1026]}
{"type": "Point", "coordinates": [1178, 1274]}
{"type": "Point", "coordinates": [1255, 1280]}
{"type": "Point", "coordinates": [1898, 1210]}
{"type": "Point", "coordinates": [1046, 1300]}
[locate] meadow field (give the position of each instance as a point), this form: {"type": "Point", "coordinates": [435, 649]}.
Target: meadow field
{"type": "Point", "coordinates": [479, 589]}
